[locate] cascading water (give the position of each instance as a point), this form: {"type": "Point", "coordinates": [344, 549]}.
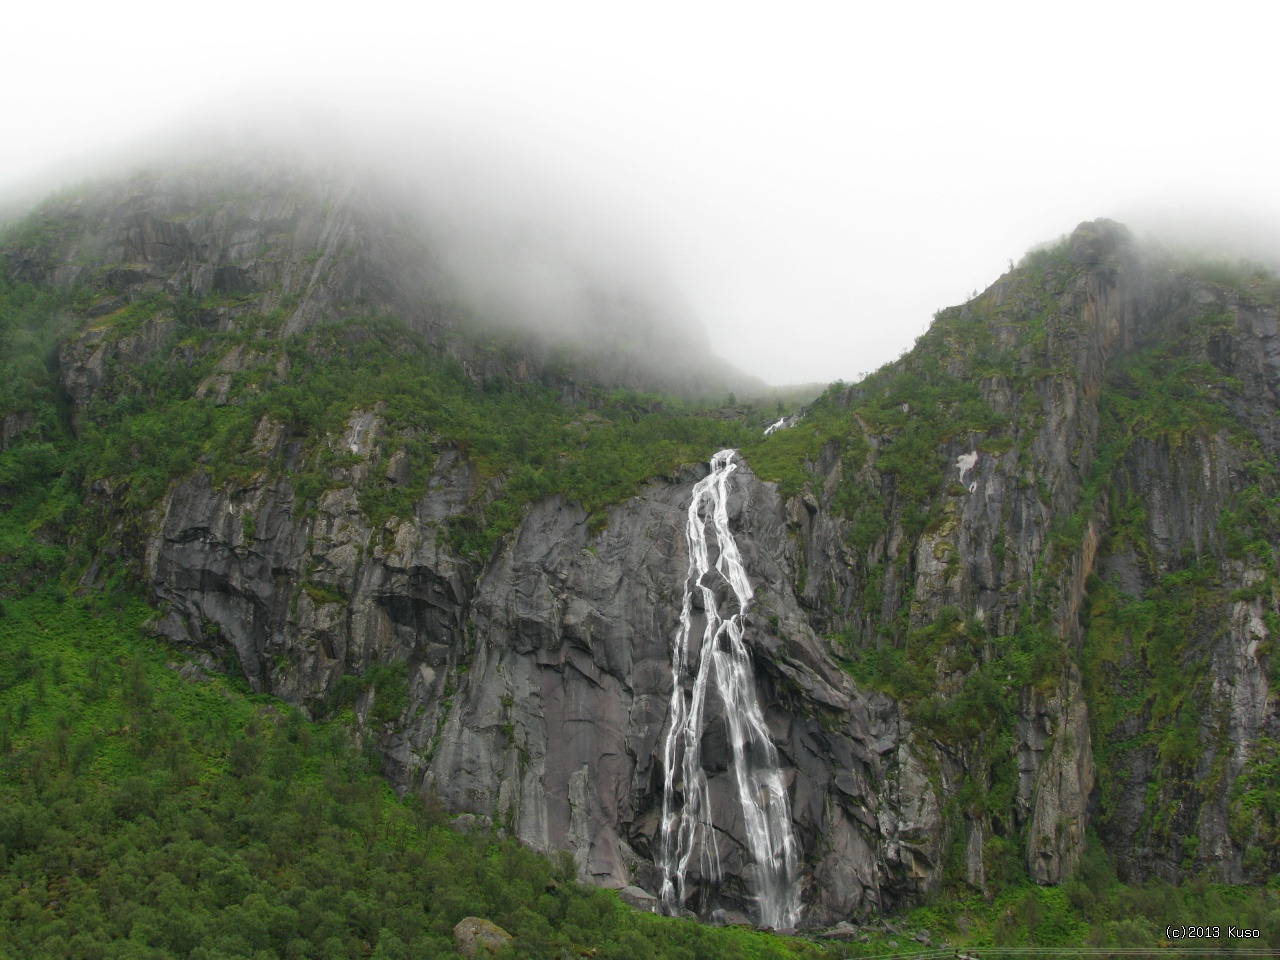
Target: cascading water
{"type": "Point", "coordinates": [721, 659]}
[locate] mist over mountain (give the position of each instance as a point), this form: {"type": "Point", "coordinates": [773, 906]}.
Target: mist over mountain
{"type": "Point", "coordinates": [462, 249]}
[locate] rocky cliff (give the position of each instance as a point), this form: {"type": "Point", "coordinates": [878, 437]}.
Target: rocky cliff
{"type": "Point", "coordinates": [1087, 541]}
{"type": "Point", "coordinates": [229, 239]}
{"type": "Point", "coordinates": [1015, 588]}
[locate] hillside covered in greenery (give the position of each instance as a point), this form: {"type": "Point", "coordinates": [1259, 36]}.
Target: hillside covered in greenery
{"type": "Point", "coordinates": [298, 561]}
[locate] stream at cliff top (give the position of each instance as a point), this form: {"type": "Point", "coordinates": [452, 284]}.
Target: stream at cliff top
{"type": "Point", "coordinates": [719, 661]}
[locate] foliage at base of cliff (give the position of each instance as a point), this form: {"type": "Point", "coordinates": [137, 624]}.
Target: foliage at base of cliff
{"type": "Point", "coordinates": [148, 814]}
{"type": "Point", "coordinates": [1095, 911]}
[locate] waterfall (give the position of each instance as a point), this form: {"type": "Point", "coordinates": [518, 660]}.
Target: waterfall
{"type": "Point", "coordinates": [720, 662]}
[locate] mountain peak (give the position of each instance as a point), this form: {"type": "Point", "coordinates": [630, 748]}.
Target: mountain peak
{"type": "Point", "coordinates": [1093, 241]}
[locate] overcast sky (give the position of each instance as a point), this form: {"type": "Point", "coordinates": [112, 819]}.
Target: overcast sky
{"type": "Point", "coordinates": [817, 179]}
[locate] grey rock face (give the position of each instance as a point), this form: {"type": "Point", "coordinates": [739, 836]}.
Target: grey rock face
{"type": "Point", "coordinates": [1064, 779]}
{"type": "Point", "coordinates": [555, 724]}
{"type": "Point", "coordinates": [538, 686]}
{"type": "Point", "coordinates": [304, 599]}
{"type": "Point", "coordinates": [12, 426]}
{"type": "Point", "coordinates": [995, 552]}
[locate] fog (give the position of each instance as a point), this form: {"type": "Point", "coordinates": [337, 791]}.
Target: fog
{"type": "Point", "coordinates": [811, 187]}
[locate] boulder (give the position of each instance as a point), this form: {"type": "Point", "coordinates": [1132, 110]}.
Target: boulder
{"type": "Point", "coordinates": [477, 937]}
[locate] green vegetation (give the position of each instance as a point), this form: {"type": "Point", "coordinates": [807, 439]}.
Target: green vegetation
{"type": "Point", "coordinates": [29, 328]}
{"type": "Point", "coordinates": [911, 408]}
{"type": "Point", "coordinates": [1138, 663]}
{"type": "Point", "coordinates": [145, 815]}
{"type": "Point", "coordinates": [1094, 909]}
{"type": "Point", "coordinates": [151, 421]}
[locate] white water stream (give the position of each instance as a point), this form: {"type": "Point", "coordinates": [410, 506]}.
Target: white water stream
{"type": "Point", "coordinates": [719, 661]}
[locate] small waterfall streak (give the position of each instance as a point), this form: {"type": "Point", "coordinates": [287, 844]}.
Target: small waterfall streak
{"type": "Point", "coordinates": [722, 658]}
